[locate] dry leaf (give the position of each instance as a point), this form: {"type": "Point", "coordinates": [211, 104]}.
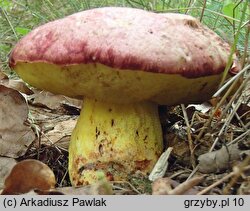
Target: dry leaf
{"type": "Point", "coordinates": [6, 164]}
{"type": "Point", "coordinates": [167, 186]}
{"type": "Point", "coordinates": [20, 86]}
{"type": "Point", "coordinates": [60, 134]}
{"type": "Point", "coordinates": [161, 166]}
{"type": "Point", "coordinates": [28, 175]}
{"type": "Point", "coordinates": [203, 108]}
{"type": "Point", "coordinates": [15, 136]}
{"type": "Point", "coordinates": [55, 128]}
{"type": "Point", "coordinates": [16, 84]}
{"type": "Point", "coordinates": [176, 139]}
{"type": "Point", "coordinates": [187, 187]}
{"type": "Point", "coordinates": [52, 101]}
{"type": "Point", "coordinates": [162, 186]}
{"type": "Point", "coordinates": [219, 160]}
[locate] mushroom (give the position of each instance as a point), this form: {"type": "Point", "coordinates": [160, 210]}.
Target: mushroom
{"type": "Point", "coordinates": [124, 62]}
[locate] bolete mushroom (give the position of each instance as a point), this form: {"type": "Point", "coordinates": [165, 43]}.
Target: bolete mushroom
{"type": "Point", "coordinates": [123, 62]}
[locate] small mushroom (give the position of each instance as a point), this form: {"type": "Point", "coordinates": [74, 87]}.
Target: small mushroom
{"type": "Point", "coordinates": [123, 63]}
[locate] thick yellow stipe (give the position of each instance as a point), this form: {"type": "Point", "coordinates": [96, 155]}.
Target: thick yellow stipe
{"type": "Point", "coordinates": [114, 140]}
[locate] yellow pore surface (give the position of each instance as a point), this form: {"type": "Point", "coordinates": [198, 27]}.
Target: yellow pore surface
{"type": "Point", "coordinates": [108, 84]}
{"type": "Point", "coordinates": [114, 139]}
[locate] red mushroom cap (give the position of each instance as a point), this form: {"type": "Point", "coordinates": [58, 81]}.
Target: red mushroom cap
{"type": "Point", "coordinates": [124, 40]}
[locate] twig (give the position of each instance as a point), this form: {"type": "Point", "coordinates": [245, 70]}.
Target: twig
{"type": "Point", "coordinates": [63, 178]}
{"type": "Point", "coordinates": [185, 186]}
{"type": "Point", "coordinates": [118, 188]}
{"type": "Point", "coordinates": [39, 132]}
{"type": "Point", "coordinates": [238, 171]}
{"type": "Point", "coordinates": [245, 114]}
{"type": "Point", "coordinates": [193, 172]}
{"type": "Point", "coordinates": [230, 117]}
{"type": "Point", "coordinates": [239, 137]}
{"type": "Point", "coordinates": [178, 173]}
{"type": "Point", "coordinates": [190, 141]}
{"type": "Point", "coordinates": [228, 176]}
{"type": "Point", "coordinates": [128, 183]}
{"type": "Point", "coordinates": [216, 183]}
{"type": "Point", "coordinates": [234, 97]}
{"type": "Point", "coordinates": [226, 124]}
{"type": "Point", "coordinates": [206, 125]}
{"type": "Point", "coordinates": [240, 121]}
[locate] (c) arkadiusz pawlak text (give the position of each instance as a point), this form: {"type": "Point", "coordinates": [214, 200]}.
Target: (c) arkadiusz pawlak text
{"type": "Point", "coordinates": [49, 202]}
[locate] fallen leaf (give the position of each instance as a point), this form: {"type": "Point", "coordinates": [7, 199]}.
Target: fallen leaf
{"type": "Point", "coordinates": [60, 134]}
{"type": "Point", "coordinates": [55, 128]}
{"type": "Point", "coordinates": [16, 84]}
{"type": "Point", "coordinates": [220, 160]}
{"type": "Point", "coordinates": [52, 101]}
{"type": "Point", "coordinates": [161, 166]}
{"type": "Point", "coordinates": [15, 136]}
{"type": "Point", "coordinates": [6, 164]}
{"type": "Point", "coordinates": [20, 86]}
{"type": "Point", "coordinates": [176, 138]}
{"type": "Point", "coordinates": [162, 186]}
{"type": "Point", "coordinates": [167, 186]}
{"type": "Point", "coordinates": [29, 175]}
{"type": "Point", "coordinates": [203, 108]}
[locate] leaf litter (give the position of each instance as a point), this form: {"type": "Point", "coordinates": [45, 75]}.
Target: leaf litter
{"type": "Point", "coordinates": [6, 164]}
{"type": "Point", "coordinates": [15, 134]}
{"type": "Point", "coordinates": [210, 144]}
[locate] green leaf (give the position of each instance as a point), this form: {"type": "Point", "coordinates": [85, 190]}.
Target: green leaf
{"type": "Point", "coordinates": [230, 10]}
{"type": "Point", "coordinates": [22, 31]}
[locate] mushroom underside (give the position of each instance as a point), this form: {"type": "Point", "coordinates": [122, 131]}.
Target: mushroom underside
{"type": "Point", "coordinates": [120, 86]}
{"type": "Point", "coordinates": [118, 131]}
